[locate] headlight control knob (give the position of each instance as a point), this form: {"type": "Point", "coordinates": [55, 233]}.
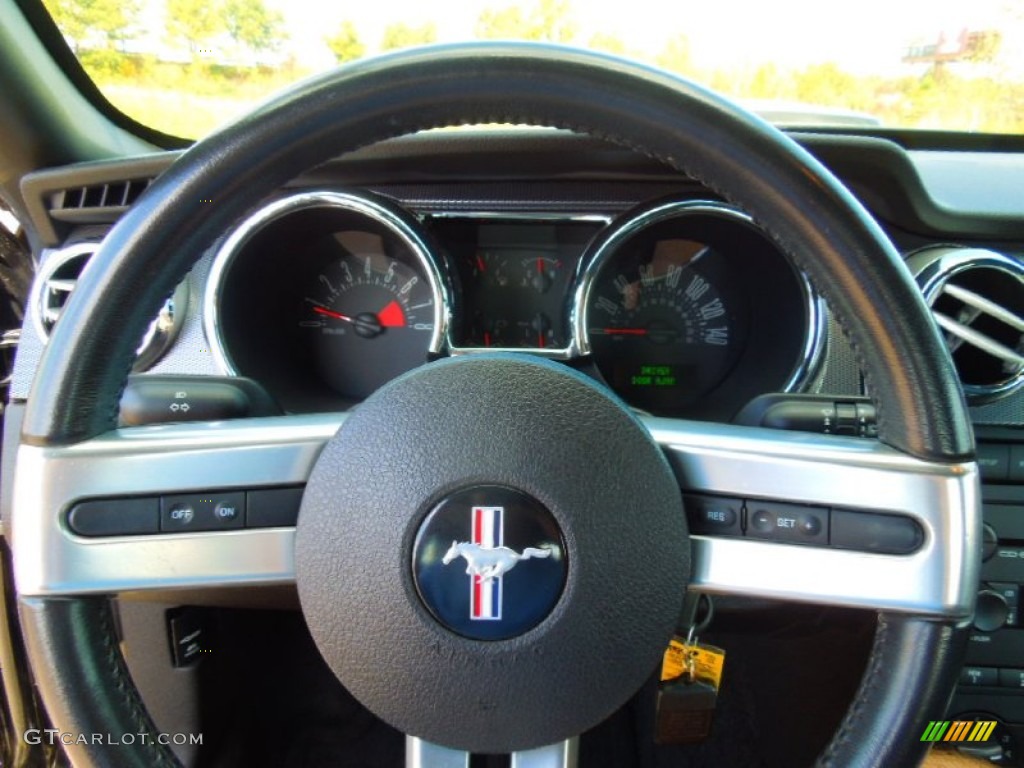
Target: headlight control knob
{"type": "Point", "coordinates": [991, 612]}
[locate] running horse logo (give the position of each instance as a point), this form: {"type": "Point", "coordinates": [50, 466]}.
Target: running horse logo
{"type": "Point", "coordinates": [490, 563]}
{"type": "Point", "coordinates": [487, 561]}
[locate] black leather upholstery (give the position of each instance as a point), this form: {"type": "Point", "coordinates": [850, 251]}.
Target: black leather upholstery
{"type": "Point", "coordinates": [825, 230]}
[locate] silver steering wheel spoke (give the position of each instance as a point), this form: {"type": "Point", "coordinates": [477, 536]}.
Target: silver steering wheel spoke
{"type": "Point", "coordinates": [725, 460]}
{"type": "Point", "coordinates": [852, 474]}
{"type": "Point", "coordinates": [423, 754]}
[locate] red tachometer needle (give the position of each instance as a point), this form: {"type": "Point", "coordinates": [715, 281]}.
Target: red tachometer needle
{"type": "Point", "coordinates": [392, 316]}
{"type": "Point", "coordinates": [331, 313]}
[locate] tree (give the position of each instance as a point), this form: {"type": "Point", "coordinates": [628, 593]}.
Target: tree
{"type": "Point", "coordinates": [194, 22]}
{"type": "Point", "coordinates": [252, 25]}
{"type": "Point", "coordinates": [675, 56]}
{"type": "Point", "coordinates": [399, 35]}
{"type": "Point", "coordinates": [548, 20]}
{"type": "Point", "coordinates": [102, 24]}
{"type": "Point", "coordinates": [608, 43]}
{"type": "Point", "coordinates": [345, 43]}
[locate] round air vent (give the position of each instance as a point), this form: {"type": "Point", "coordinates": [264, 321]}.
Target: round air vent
{"type": "Point", "coordinates": [977, 299]}
{"type": "Point", "coordinates": [55, 282]}
{"type": "Point", "coordinates": [58, 275]}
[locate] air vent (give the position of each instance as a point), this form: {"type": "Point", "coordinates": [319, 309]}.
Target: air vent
{"type": "Point", "coordinates": [977, 299]}
{"type": "Point", "coordinates": [79, 204]}
{"type": "Point", "coordinates": [57, 278]}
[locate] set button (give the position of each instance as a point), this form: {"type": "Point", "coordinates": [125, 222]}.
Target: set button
{"type": "Point", "coordinates": [787, 522]}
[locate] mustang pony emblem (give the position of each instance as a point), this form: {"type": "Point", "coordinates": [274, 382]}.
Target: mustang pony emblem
{"type": "Point", "coordinates": [487, 561]}
{"type": "Point", "coordinates": [490, 562]}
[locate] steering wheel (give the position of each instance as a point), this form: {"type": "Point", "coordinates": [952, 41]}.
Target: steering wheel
{"type": "Point", "coordinates": [613, 499]}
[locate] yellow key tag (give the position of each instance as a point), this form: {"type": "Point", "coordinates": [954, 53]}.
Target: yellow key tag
{"type": "Point", "coordinates": [707, 661]}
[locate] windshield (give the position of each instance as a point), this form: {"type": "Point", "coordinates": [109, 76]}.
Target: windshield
{"type": "Point", "coordinates": [185, 67]}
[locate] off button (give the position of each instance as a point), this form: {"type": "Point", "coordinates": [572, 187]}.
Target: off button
{"type": "Point", "coordinates": [211, 511]}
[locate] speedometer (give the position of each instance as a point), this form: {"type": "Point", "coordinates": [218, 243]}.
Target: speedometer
{"type": "Point", "coordinates": [664, 324]}
{"type": "Point", "coordinates": [686, 308]}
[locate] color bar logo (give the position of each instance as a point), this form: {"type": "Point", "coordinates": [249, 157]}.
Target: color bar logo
{"type": "Point", "coordinates": [485, 593]}
{"type": "Point", "coordinates": [959, 730]}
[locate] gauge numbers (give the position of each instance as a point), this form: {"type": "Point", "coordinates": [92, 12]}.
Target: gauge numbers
{"type": "Point", "coordinates": [660, 328]}
{"type": "Point", "coordinates": [368, 313]}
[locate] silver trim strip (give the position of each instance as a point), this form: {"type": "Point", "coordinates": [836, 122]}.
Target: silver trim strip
{"type": "Point", "coordinates": [148, 461]}
{"type": "Point", "coordinates": [424, 754]}
{"type": "Point", "coordinates": [345, 201]}
{"type": "Point", "coordinates": [565, 754]}
{"type": "Point", "coordinates": [817, 318]}
{"type": "Point", "coordinates": [945, 499]}
{"type": "Point", "coordinates": [546, 215]}
{"type": "Point", "coordinates": [939, 579]}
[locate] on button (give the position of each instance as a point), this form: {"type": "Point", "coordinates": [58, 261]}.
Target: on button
{"type": "Point", "coordinates": [208, 511]}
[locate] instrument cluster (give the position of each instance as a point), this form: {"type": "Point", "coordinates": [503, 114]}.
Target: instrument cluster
{"type": "Point", "coordinates": [682, 307]}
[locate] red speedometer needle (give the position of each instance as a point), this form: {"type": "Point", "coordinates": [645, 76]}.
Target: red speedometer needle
{"type": "Point", "coordinates": [331, 313]}
{"type": "Point", "coordinates": [625, 331]}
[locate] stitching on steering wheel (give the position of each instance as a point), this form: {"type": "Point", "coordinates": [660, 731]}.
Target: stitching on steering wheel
{"type": "Point", "coordinates": [872, 675]}
{"type": "Point", "coordinates": [161, 757]}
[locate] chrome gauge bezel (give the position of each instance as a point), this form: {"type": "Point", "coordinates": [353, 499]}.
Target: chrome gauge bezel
{"type": "Point", "coordinates": [813, 347]}
{"type": "Point", "coordinates": [934, 266]}
{"type": "Point", "coordinates": [160, 333]}
{"type": "Point", "coordinates": [351, 202]}
{"type": "Point", "coordinates": [569, 352]}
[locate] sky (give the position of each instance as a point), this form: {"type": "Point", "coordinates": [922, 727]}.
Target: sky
{"type": "Point", "coordinates": [860, 36]}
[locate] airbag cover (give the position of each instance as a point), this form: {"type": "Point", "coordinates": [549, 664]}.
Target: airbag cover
{"type": "Point", "coordinates": [492, 420]}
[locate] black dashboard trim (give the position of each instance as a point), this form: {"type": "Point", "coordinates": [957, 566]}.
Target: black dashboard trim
{"type": "Point", "coordinates": [879, 170]}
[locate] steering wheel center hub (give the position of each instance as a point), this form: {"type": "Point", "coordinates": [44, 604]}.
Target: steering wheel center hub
{"type": "Point", "coordinates": [491, 553]}
{"type": "Point", "coordinates": [466, 551]}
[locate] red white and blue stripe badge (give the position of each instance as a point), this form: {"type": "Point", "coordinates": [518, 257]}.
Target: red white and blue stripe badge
{"type": "Point", "coordinates": [485, 594]}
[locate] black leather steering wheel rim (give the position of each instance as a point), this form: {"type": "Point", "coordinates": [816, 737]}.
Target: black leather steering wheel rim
{"type": "Point", "coordinates": [791, 196]}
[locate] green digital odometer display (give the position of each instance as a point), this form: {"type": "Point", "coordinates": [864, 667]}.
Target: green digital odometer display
{"type": "Point", "coordinates": [654, 376]}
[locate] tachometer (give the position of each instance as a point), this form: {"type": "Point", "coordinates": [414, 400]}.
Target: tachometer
{"type": "Point", "coordinates": [324, 296]}
{"type": "Point", "coordinates": [368, 314]}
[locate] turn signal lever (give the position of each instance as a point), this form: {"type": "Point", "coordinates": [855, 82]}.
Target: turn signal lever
{"type": "Point", "coordinates": [854, 416]}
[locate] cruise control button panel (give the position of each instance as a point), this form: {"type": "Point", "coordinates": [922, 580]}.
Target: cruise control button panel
{"type": "Point", "coordinates": [212, 511]}
{"type": "Point", "coordinates": [806, 524]}
{"type": "Point", "coordinates": [198, 511]}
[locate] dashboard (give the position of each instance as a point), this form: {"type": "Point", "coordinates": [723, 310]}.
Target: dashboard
{"type": "Point", "coordinates": [679, 305]}
{"type": "Point", "coordinates": [551, 244]}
